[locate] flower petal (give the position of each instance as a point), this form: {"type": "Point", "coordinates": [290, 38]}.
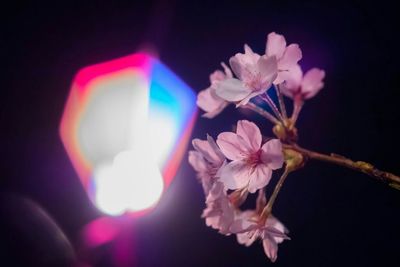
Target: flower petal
{"type": "Point", "coordinates": [215, 147]}
{"type": "Point", "coordinates": [292, 81]}
{"type": "Point", "coordinates": [227, 70]}
{"type": "Point", "coordinates": [312, 82]}
{"type": "Point", "coordinates": [272, 154]}
{"type": "Point", "coordinates": [217, 191]}
{"type": "Point", "coordinates": [272, 221]}
{"type": "Point", "coordinates": [270, 248]}
{"type": "Point", "coordinates": [276, 45]}
{"type": "Point", "coordinates": [210, 103]}
{"type": "Point", "coordinates": [250, 133]}
{"type": "Point", "coordinates": [232, 90]}
{"type": "Point", "coordinates": [259, 178]}
{"type": "Point", "coordinates": [243, 222]}
{"type": "Point", "coordinates": [235, 175]}
{"type": "Point", "coordinates": [268, 69]}
{"type": "Point", "coordinates": [197, 161]}
{"type": "Point", "coordinates": [233, 146]}
{"type": "Point", "coordinates": [217, 76]}
{"type": "Point", "coordinates": [290, 58]}
{"type": "Point", "coordinates": [208, 152]}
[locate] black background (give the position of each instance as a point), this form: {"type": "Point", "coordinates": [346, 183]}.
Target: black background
{"type": "Point", "coordinates": [337, 217]}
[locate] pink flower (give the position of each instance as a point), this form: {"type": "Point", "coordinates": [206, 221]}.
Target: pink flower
{"type": "Point", "coordinates": [251, 164]}
{"type": "Point", "coordinates": [219, 213]}
{"type": "Point", "coordinates": [287, 56]}
{"type": "Point", "coordinates": [255, 76]}
{"type": "Point", "coordinates": [206, 161]}
{"type": "Point", "coordinates": [305, 86]}
{"type": "Point", "coordinates": [248, 230]}
{"type": "Point", "coordinates": [208, 100]}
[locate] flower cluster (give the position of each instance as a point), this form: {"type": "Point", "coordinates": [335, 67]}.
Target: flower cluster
{"type": "Point", "coordinates": [241, 163]}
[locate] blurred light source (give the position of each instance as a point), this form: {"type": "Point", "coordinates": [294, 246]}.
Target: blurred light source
{"type": "Point", "coordinates": [125, 127]}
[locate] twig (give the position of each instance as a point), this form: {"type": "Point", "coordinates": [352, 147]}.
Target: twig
{"type": "Point", "coordinates": [298, 105]}
{"type": "Point", "coordinates": [281, 102]}
{"type": "Point", "coordinates": [261, 112]}
{"type": "Point", "coordinates": [361, 166]}
{"type": "Point", "coordinates": [272, 105]}
{"type": "Point", "coordinates": [268, 208]}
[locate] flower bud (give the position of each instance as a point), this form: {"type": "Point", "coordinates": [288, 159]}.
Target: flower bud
{"type": "Point", "coordinates": [294, 160]}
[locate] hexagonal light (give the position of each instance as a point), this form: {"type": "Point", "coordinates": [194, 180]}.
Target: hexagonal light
{"type": "Point", "coordinates": [125, 127]}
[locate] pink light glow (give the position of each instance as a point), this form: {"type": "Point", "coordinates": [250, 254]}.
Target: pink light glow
{"type": "Point", "coordinates": [101, 128]}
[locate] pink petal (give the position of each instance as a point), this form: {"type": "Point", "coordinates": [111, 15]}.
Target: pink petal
{"type": "Point", "coordinates": [226, 217]}
{"type": "Point", "coordinates": [217, 191]}
{"type": "Point", "coordinates": [233, 146]}
{"type": "Point", "coordinates": [293, 81]}
{"type": "Point", "coordinates": [215, 112]}
{"type": "Point", "coordinates": [208, 152]}
{"type": "Point", "coordinates": [272, 221]}
{"type": "Point", "coordinates": [210, 103]}
{"type": "Point", "coordinates": [250, 57]}
{"type": "Point", "coordinates": [243, 65]}
{"type": "Point", "coordinates": [217, 76]}
{"type": "Point", "coordinates": [197, 161]}
{"type": "Point", "coordinates": [250, 133]}
{"type": "Point", "coordinates": [272, 154]}
{"type": "Point", "coordinates": [276, 45]}
{"type": "Point", "coordinates": [215, 147]}
{"type": "Point", "coordinates": [312, 82]}
{"type": "Point", "coordinates": [259, 178]}
{"type": "Point", "coordinates": [227, 70]}
{"type": "Point", "coordinates": [275, 234]}
{"type": "Point", "coordinates": [235, 175]}
{"type": "Point", "coordinates": [290, 58]}
{"type": "Point", "coordinates": [238, 66]}
{"type": "Point", "coordinates": [232, 90]}
{"type": "Point", "coordinates": [268, 69]}
{"type": "Point", "coordinates": [270, 248]}
{"type": "Point", "coordinates": [243, 222]}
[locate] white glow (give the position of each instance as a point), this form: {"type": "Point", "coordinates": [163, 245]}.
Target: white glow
{"type": "Point", "coordinates": [161, 132]}
{"type": "Point", "coordinates": [132, 183]}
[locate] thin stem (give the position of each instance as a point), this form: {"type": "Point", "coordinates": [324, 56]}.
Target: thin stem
{"type": "Point", "coordinates": [261, 112]}
{"type": "Point", "coordinates": [361, 166]}
{"type": "Point", "coordinates": [281, 102]}
{"type": "Point", "coordinates": [272, 105]}
{"type": "Point", "coordinates": [268, 208]}
{"type": "Point", "coordinates": [298, 105]}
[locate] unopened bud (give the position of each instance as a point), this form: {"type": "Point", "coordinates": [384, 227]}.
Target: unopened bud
{"type": "Point", "coordinates": [294, 160]}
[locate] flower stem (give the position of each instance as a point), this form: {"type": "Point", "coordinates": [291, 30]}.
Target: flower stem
{"type": "Point", "coordinates": [361, 166]}
{"type": "Point", "coordinates": [261, 112]}
{"type": "Point", "coordinates": [268, 208]}
{"type": "Point", "coordinates": [298, 105]}
{"type": "Point", "coordinates": [281, 102]}
{"type": "Point", "coordinates": [272, 105]}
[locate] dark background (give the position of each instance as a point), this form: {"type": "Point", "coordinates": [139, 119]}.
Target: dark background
{"type": "Point", "coordinates": [337, 217]}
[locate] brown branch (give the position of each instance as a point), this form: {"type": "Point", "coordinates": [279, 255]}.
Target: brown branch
{"type": "Point", "coordinates": [361, 166]}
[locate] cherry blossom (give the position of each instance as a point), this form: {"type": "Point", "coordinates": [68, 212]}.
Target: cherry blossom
{"type": "Point", "coordinates": [251, 164]}
{"type": "Point", "coordinates": [219, 213]}
{"type": "Point", "coordinates": [255, 76]}
{"type": "Point", "coordinates": [208, 100]}
{"type": "Point", "coordinates": [305, 86]}
{"type": "Point", "coordinates": [287, 56]}
{"type": "Point", "coordinates": [248, 230]}
{"type": "Point", "coordinates": [206, 160]}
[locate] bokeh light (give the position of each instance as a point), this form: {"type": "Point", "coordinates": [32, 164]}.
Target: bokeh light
{"type": "Point", "coordinates": [125, 126]}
